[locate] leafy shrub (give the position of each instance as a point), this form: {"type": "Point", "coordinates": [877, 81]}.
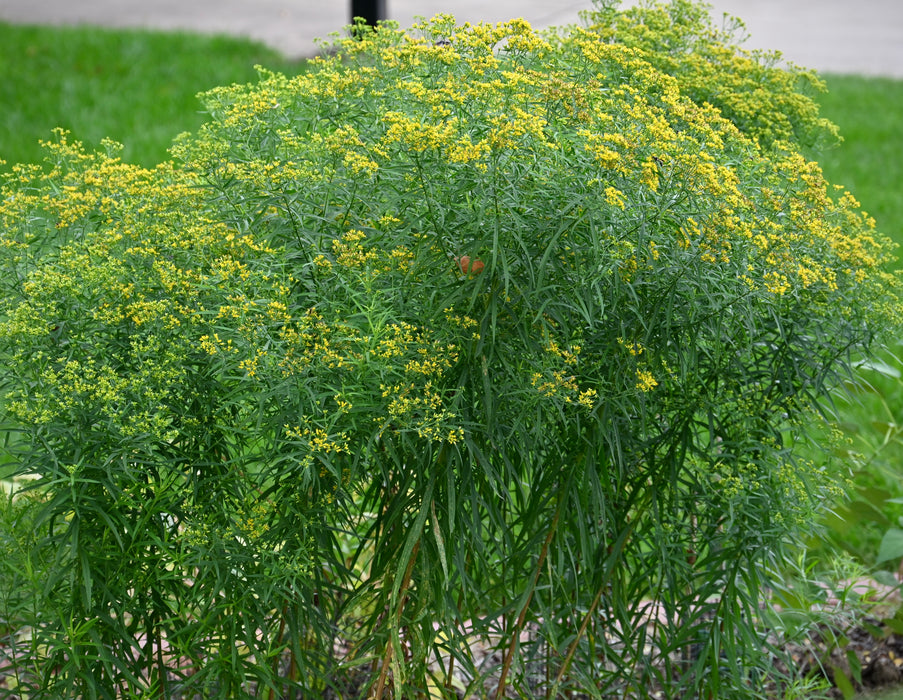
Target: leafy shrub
{"type": "Point", "coordinates": [466, 333]}
{"type": "Point", "coordinates": [679, 39]}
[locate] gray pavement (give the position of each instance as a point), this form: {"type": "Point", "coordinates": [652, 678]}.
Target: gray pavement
{"type": "Point", "coordinates": [840, 36]}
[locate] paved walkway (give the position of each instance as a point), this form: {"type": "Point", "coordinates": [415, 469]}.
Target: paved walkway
{"type": "Point", "coordinates": [864, 37]}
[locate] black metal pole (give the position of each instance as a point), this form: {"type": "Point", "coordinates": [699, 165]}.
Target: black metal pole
{"type": "Point", "coordinates": [371, 10]}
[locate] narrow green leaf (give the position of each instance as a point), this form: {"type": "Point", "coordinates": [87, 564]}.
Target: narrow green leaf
{"type": "Point", "coordinates": [843, 683]}
{"type": "Point", "coordinates": [414, 535]}
{"type": "Point", "coordinates": [440, 543]}
{"type": "Point", "coordinates": [891, 546]}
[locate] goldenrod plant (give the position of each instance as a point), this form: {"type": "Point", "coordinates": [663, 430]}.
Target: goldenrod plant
{"type": "Point", "coordinates": [471, 362]}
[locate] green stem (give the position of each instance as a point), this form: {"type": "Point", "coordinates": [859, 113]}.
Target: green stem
{"type": "Point", "coordinates": [390, 647]}
{"type": "Point", "coordinates": [518, 626]}
{"type": "Point", "coordinates": [572, 649]}
{"type": "Point", "coordinates": [279, 638]}
{"type": "Point", "coordinates": [616, 550]}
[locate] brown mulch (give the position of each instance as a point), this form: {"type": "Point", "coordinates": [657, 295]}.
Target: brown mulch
{"type": "Point", "coordinates": [865, 657]}
{"type": "Point", "coordinates": [862, 653]}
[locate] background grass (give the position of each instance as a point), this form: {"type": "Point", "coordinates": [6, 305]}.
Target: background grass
{"type": "Point", "coordinates": [136, 87]}
{"type": "Point", "coordinates": [139, 88]}
{"type": "Point", "coordinates": [869, 162]}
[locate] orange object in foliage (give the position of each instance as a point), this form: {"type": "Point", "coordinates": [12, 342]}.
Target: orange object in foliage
{"type": "Point", "coordinates": [468, 267]}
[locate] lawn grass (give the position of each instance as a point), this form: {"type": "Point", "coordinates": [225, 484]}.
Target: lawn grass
{"type": "Point", "coordinates": [136, 87]}
{"type": "Point", "coordinates": [869, 162]}
{"type": "Point", "coordinates": [869, 112]}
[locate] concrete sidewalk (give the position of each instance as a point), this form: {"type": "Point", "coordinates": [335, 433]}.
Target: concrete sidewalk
{"type": "Point", "coordinates": [837, 36]}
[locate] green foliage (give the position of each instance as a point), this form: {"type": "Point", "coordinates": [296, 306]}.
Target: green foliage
{"type": "Point", "coordinates": [766, 102]}
{"type": "Point", "coordinates": [463, 334]}
{"type": "Point", "coordinates": [24, 567]}
{"type": "Point", "coordinates": [161, 493]}
{"type": "Point", "coordinates": [865, 523]}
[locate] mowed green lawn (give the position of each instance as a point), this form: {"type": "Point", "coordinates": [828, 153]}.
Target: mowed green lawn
{"type": "Point", "coordinates": [869, 162]}
{"type": "Point", "coordinates": [135, 87]}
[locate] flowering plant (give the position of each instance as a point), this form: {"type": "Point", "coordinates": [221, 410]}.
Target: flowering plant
{"type": "Point", "coordinates": [466, 323]}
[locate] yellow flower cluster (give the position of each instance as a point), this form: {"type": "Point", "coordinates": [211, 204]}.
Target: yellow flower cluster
{"type": "Point", "coordinates": [318, 440]}
{"type": "Point", "coordinates": [645, 381]}
{"type": "Point", "coordinates": [350, 252]}
{"type": "Point", "coordinates": [152, 266]}
{"type": "Point", "coordinates": [560, 382]}
{"type": "Point", "coordinates": [421, 409]}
